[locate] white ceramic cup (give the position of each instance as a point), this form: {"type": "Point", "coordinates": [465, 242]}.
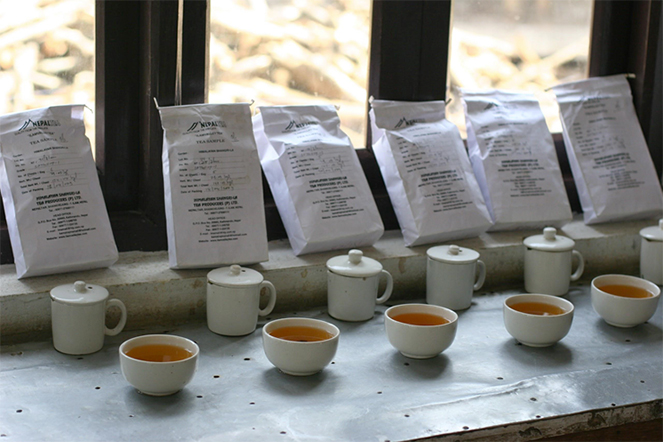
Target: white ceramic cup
{"type": "Point", "coordinates": [420, 341]}
{"type": "Point", "coordinates": [158, 378]}
{"type": "Point", "coordinates": [352, 286]}
{"type": "Point", "coordinates": [452, 275]}
{"type": "Point", "coordinates": [233, 300]}
{"type": "Point", "coordinates": [651, 253]}
{"type": "Point", "coordinates": [620, 311]}
{"type": "Point", "coordinates": [549, 261]}
{"type": "Point", "coordinates": [300, 358]}
{"type": "Point", "coordinates": [537, 330]}
{"type": "Point", "coordinates": [78, 317]}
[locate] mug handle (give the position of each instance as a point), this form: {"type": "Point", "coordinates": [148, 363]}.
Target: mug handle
{"type": "Point", "coordinates": [581, 266]}
{"type": "Point", "coordinates": [390, 286]}
{"type": "Point", "coordinates": [481, 278]}
{"type": "Point", "coordinates": [272, 298]}
{"type": "Point", "coordinates": [123, 318]}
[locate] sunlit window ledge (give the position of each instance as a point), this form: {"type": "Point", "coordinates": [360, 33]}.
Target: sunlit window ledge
{"type": "Point", "coordinates": [156, 295]}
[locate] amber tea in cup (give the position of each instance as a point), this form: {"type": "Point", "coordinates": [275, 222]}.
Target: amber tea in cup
{"type": "Point", "coordinates": [538, 308]}
{"type": "Point", "coordinates": [301, 334]}
{"type": "Point", "coordinates": [417, 318]}
{"type": "Point", "coordinates": [624, 300]}
{"type": "Point", "coordinates": [300, 346]}
{"type": "Point", "coordinates": [158, 365]}
{"type": "Point", "coordinates": [159, 353]}
{"type": "Point", "coordinates": [626, 291]}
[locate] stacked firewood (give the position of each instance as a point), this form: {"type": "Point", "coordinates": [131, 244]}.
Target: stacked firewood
{"type": "Point", "coordinates": [46, 54]}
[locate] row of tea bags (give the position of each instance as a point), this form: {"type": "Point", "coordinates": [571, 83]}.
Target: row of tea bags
{"type": "Point", "coordinates": [212, 156]}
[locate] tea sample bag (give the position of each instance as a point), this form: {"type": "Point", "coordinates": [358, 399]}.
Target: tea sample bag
{"type": "Point", "coordinates": [514, 160]}
{"type": "Point", "coordinates": [611, 165]}
{"type": "Point", "coordinates": [56, 216]}
{"type": "Point", "coordinates": [318, 184]}
{"type": "Point", "coordinates": [427, 172]}
{"type": "Point", "coordinates": [212, 186]}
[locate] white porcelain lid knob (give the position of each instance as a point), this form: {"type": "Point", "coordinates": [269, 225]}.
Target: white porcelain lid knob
{"type": "Point", "coordinates": [355, 256]}
{"type": "Point", "coordinates": [79, 286]}
{"type": "Point", "coordinates": [235, 270]}
{"type": "Point", "coordinates": [549, 233]}
{"type": "Point", "coordinates": [453, 250]}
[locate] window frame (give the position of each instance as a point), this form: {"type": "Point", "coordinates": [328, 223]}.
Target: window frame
{"type": "Point", "coordinates": [136, 59]}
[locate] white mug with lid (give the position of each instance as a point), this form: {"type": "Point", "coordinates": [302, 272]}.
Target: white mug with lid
{"type": "Point", "coordinates": [452, 276]}
{"type": "Point", "coordinates": [549, 262]}
{"type": "Point", "coordinates": [651, 253]}
{"type": "Point", "coordinates": [352, 286]}
{"type": "Point", "coordinates": [233, 300]}
{"type": "Point", "coordinates": [78, 317]}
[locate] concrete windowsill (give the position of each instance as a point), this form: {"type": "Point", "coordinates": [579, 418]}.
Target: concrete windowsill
{"type": "Point", "coordinates": [156, 295]}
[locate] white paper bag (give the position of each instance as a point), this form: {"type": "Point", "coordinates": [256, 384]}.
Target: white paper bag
{"type": "Point", "coordinates": [56, 216]}
{"type": "Point", "coordinates": [611, 165]}
{"type": "Point", "coordinates": [514, 160]}
{"type": "Point", "coordinates": [427, 172]}
{"type": "Point", "coordinates": [318, 184]}
{"type": "Point", "coordinates": [212, 185]}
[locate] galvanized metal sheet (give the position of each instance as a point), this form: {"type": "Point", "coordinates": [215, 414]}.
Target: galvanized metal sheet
{"type": "Point", "coordinates": [369, 392]}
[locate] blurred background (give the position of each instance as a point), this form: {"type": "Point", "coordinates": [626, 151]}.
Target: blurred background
{"type": "Point", "coordinates": [302, 51]}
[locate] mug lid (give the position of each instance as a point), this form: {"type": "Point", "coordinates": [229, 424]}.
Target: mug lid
{"type": "Point", "coordinates": [354, 264]}
{"type": "Point", "coordinates": [653, 233]}
{"type": "Point", "coordinates": [453, 254]}
{"type": "Point", "coordinates": [234, 276]}
{"type": "Point", "coordinates": [79, 293]}
{"type": "Point", "coordinates": [550, 241]}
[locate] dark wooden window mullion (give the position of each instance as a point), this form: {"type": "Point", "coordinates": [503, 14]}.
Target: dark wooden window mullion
{"type": "Point", "coordinates": [408, 62]}
{"type": "Point", "coordinates": [117, 61]}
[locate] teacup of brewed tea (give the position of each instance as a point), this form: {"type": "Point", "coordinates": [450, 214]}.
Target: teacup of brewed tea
{"type": "Point", "coordinates": [300, 346]}
{"type": "Point", "coordinates": [158, 365]}
{"type": "Point", "coordinates": [420, 331]}
{"type": "Point", "coordinates": [624, 301]}
{"type": "Point", "coordinates": [537, 320]}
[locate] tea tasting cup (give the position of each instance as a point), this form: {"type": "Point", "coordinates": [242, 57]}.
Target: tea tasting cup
{"type": "Point", "coordinates": [452, 277]}
{"type": "Point", "coordinates": [406, 334]}
{"type": "Point", "coordinates": [233, 300]}
{"type": "Point", "coordinates": [537, 320]}
{"type": "Point", "coordinates": [78, 317]}
{"type": "Point", "coordinates": [161, 364]}
{"type": "Point", "coordinates": [352, 286]}
{"type": "Point", "coordinates": [651, 253]}
{"type": "Point", "coordinates": [548, 263]}
{"type": "Point", "coordinates": [300, 346]}
{"type": "Point", "coordinates": [623, 311]}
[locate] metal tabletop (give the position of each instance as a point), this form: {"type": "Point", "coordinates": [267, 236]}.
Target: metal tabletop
{"type": "Point", "coordinates": [369, 392]}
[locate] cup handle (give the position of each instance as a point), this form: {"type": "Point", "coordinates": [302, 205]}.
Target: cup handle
{"type": "Point", "coordinates": [272, 298]}
{"type": "Point", "coordinates": [481, 278]}
{"type": "Point", "coordinates": [390, 286]}
{"type": "Point", "coordinates": [581, 266]}
{"type": "Point", "coordinates": [123, 318]}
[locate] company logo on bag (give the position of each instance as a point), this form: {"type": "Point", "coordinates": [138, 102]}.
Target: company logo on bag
{"type": "Point", "coordinates": [405, 122]}
{"type": "Point", "coordinates": [39, 123]}
{"type": "Point", "coordinates": [205, 125]}
{"type": "Point", "coordinates": [293, 125]}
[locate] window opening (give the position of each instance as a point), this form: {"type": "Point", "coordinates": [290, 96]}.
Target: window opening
{"type": "Point", "coordinates": [280, 52]}
{"type": "Point", "coordinates": [47, 55]}
{"type": "Point", "coordinates": [519, 45]}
